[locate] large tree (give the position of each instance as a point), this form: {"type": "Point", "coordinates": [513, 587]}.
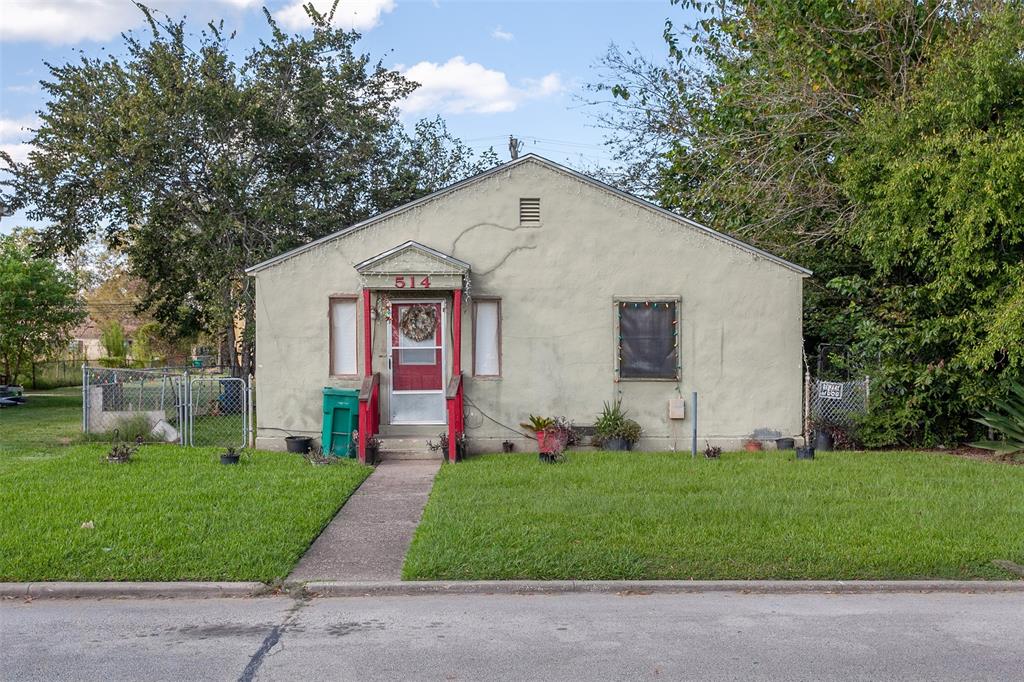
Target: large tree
{"type": "Point", "coordinates": [195, 165]}
{"type": "Point", "coordinates": [852, 137]}
{"type": "Point", "coordinates": [39, 306]}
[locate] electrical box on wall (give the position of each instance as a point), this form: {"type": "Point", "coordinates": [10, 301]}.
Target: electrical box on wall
{"type": "Point", "coordinates": [677, 408]}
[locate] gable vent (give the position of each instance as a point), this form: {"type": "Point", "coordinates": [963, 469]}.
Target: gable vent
{"type": "Point", "coordinates": [529, 211]}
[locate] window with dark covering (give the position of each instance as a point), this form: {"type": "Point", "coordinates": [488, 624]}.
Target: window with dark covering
{"type": "Point", "coordinates": [648, 340]}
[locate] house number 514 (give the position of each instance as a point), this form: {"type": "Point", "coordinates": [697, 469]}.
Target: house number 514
{"type": "Point", "coordinates": [409, 281]}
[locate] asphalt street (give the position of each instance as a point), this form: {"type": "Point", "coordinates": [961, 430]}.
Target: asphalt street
{"type": "Point", "coordinates": [720, 636]}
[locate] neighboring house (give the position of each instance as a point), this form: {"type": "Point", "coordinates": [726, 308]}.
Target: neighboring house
{"type": "Point", "coordinates": [86, 338]}
{"type": "Point", "coordinates": [548, 293]}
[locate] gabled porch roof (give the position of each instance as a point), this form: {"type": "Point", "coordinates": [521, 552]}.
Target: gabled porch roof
{"type": "Point", "coordinates": [412, 257]}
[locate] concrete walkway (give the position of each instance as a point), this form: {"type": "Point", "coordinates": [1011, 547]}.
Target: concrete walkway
{"type": "Point", "coordinates": [369, 537]}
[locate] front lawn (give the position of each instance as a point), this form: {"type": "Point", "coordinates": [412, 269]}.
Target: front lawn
{"type": "Point", "coordinates": [646, 516]}
{"type": "Point", "coordinates": [173, 513]}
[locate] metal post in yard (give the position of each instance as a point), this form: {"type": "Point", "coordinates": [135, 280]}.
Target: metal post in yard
{"type": "Point", "coordinates": [693, 420]}
{"type": "Point", "coordinates": [807, 406]}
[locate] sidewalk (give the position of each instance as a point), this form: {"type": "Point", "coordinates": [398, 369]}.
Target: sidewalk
{"type": "Point", "coordinates": [369, 537]}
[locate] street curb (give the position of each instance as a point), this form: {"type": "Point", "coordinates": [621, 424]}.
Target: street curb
{"type": "Point", "coordinates": [639, 587]}
{"type": "Point", "coordinates": [396, 588]}
{"type": "Point", "coordinates": [132, 590]}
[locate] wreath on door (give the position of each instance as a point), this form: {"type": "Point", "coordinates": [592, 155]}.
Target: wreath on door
{"type": "Point", "coordinates": [419, 322]}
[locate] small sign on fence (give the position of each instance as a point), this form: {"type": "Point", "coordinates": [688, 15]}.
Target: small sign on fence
{"type": "Point", "coordinates": [830, 390]}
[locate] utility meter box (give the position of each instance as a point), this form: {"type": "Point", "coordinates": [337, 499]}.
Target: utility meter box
{"type": "Point", "coordinates": [677, 408]}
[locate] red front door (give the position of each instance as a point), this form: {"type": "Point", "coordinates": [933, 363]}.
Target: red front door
{"type": "Point", "coordinates": [417, 362]}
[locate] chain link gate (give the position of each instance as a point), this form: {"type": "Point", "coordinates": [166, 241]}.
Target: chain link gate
{"type": "Point", "coordinates": [166, 406]}
{"type": "Point", "coordinates": [838, 403]}
{"type": "Point", "coordinates": [218, 412]}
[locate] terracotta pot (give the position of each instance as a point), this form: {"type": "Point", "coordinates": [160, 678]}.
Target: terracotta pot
{"type": "Point", "coordinates": [753, 446]}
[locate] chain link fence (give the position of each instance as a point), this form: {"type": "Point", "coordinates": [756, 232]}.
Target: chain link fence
{"type": "Point", "coordinates": [839, 403]}
{"type": "Point", "coordinates": [165, 406]}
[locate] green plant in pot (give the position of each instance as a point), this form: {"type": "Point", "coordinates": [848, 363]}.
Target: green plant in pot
{"type": "Point", "coordinates": [552, 437]}
{"type": "Point", "coordinates": [613, 430]}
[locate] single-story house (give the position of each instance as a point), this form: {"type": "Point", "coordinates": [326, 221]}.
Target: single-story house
{"type": "Point", "coordinates": [530, 289]}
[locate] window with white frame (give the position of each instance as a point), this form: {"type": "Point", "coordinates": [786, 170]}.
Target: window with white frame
{"type": "Point", "coordinates": [343, 336]}
{"type": "Point", "coordinates": [648, 343]}
{"type": "Point", "coordinates": [487, 337]}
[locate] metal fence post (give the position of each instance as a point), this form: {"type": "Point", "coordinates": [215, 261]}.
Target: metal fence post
{"type": "Point", "coordinates": [188, 409]}
{"type": "Point", "coordinates": [85, 397]}
{"type": "Point", "coordinates": [250, 412]}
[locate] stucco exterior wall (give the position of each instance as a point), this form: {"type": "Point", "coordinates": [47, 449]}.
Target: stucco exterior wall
{"type": "Point", "coordinates": [740, 314]}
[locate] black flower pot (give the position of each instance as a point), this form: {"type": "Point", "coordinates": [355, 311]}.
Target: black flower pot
{"type": "Point", "coordinates": [805, 453]}
{"type": "Point", "coordinates": [508, 446]}
{"type": "Point", "coordinates": [785, 443]}
{"type": "Point", "coordinates": [617, 444]}
{"type": "Point", "coordinates": [298, 444]}
{"type": "Point", "coordinates": [229, 459]}
{"type": "Point", "coordinates": [823, 441]}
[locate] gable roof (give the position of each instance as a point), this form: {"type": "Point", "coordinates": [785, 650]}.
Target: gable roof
{"type": "Point", "coordinates": [558, 168]}
{"type": "Point", "coordinates": [414, 248]}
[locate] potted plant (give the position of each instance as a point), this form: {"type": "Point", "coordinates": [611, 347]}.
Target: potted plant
{"type": "Point", "coordinates": [121, 453]}
{"type": "Point", "coordinates": [540, 427]}
{"type": "Point", "coordinates": [442, 446]}
{"type": "Point", "coordinates": [230, 456]}
{"type": "Point", "coordinates": [613, 430]}
{"type": "Point", "coordinates": [373, 450]}
{"type": "Point", "coordinates": [752, 445]}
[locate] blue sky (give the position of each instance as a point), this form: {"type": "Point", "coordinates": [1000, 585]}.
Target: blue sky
{"type": "Point", "coordinates": [490, 68]}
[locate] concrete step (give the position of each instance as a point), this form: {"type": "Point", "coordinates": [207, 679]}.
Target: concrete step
{"type": "Point", "coordinates": [424, 455]}
{"type": "Point", "coordinates": [420, 431]}
{"type": "Point", "coordinates": [412, 443]}
{"type": "Point", "coordinates": [408, 447]}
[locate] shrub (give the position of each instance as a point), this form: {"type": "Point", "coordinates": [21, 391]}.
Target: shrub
{"type": "Point", "coordinates": [114, 341]}
{"type": "Point", "coordinates": [134, 428]}
{"type": "Point", "coordinates": [1008, 421]}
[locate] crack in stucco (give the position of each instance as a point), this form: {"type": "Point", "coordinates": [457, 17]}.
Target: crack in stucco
{"type": "Point", "coordinates": [463, 233]}
{"type": "Point", "coordinates": [484, 273]}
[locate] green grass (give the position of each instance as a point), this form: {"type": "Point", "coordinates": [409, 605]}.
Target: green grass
{"type": "Point", "coordinates": [647, 516]}
{"type": "Point", "coordinates": [172, 513]}
{"type": "Point", "coordinates": [39, 427]}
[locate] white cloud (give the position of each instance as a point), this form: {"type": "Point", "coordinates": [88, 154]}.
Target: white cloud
{"type": "Point", "coordinates": [19, 152]}
{"type": "Point", "coordinates": [459, 87]}
{"type": "Point", "coordinates": [501, 34]}
{"type": "Point", "coordinates": [17, 129]}
{"type": "Point", "coordinates": [72, 21]}
{"type": "Point", "coordinates": [360, 15]}
{"type": "Point", "coordinates": [23, 88]}
{"type": "Point", "coordinates": [13, 133]}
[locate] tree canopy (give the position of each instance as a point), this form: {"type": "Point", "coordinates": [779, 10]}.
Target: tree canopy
{"type": "Point", "coordinates": [879, 144]}
{"type": "Point", "coordinates": [195, 165]}
{"type": "Point", "coordinates": [39, 306]}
